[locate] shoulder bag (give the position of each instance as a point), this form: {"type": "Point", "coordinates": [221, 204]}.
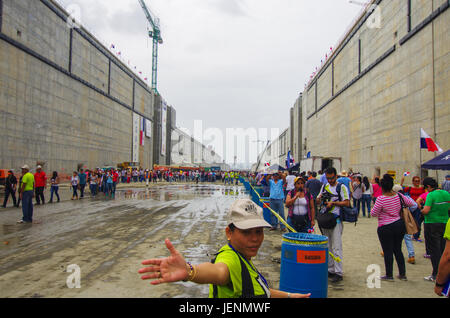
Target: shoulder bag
{"type": "Point", "coordinates": [405, 214]}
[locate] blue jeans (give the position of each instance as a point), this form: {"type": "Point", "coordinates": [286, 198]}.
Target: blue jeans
{"type": "Point", "coordinates": [109, 188]}
{"type": "Point", "coordinates": [409, 245]}
{"type": "Point", "coordinates": [278, 206]}
{"type": "Point", "coordinates": [357, 204]}
{"type": "Point", "coordinates": [27, 206]}
{"type": "Point", "coordinates": [366, 201]}
{"type": "Point", "coordinates": [94, 189]}
{"type": "Point", "coordinates": [54, 190]}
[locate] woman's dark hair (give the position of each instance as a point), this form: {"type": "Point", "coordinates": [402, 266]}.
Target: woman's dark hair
{"type": "Point", "coordinates": [366, 183]}
{"type": "Point", "coordinates": [387, 183]}
{"type": "Point", "coordinates": [55, 175]}
{"type": "Point", "coordinates": [428, 181]}
{"type": "Point", "coordinates": [377, 180]}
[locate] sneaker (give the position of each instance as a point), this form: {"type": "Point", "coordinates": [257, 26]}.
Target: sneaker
{"type": "Point", "coordinates": [387, 278]}
{"type": "Point", "coordinates": [430, 278]}
{"type": "Point", "coordinates": [337, 278]}
{"type": "Point", "coordinates": [412, 260]}
{"type": "Point", "coordinates": [20, 222]}
{"type": "Point", "coordinates": [331, 275]}
{"type": "Point", "coordinates": [402, 277]}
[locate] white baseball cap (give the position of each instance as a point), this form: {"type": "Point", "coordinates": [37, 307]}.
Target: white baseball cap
{"type": "Point", "coordinates": [245, 214]}
{"type": "Point", "coordinates": [26, 167]}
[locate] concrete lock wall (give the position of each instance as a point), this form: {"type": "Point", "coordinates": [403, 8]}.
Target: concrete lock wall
{"type": "Point", "coordinates": [372, 97]}
{"type": "Point", "coordinates": [65, 100]}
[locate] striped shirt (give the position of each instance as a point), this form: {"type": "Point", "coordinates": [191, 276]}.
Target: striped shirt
{"type": "Point", "coordinates": [387, 209]}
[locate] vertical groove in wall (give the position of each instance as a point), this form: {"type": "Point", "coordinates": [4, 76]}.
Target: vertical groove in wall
{"type": "Point", "coordinates": [315, 94]}
{"type": "Point", "coordinates": [332, 78]}
{"type": "Point", "coordinates": [134, 91]}
{"type": "Point", "coordinates": [359, 56]}
{"type": "Point", "coordinates": [409, 16]}
{"type": "Point", "coordinates": [109, 76]}
{"type": "Point", "coordinates": [70, 49]}
{"type": "Point", "coordinates": [1, 15]}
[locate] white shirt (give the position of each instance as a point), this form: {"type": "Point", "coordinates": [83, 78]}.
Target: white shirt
{"type": "Point", "coordinates": [367, 191]}
{"type": "Point", "coordinates": [290, 182]}
{"type": "Point", "coordinates": [300, 207]}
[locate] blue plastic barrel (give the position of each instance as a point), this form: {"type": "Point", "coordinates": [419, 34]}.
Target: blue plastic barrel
{"type": "Point", "coordinates": [254, 194]}
{"type": "Point", "coordinates": [304, 264]}
{"type": "Point", "coordinates": [265, 204]}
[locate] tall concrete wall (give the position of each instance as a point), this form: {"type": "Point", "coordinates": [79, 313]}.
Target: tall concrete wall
{"type": "Point", "coordinates": [64, 98]}
{"type": "Point", "coordinates": [368, 103]}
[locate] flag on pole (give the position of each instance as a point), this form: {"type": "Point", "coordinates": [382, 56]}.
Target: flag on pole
{"type": "Point", "coordinates": [289, 160]}
{"type": "Point", "coordinates": [427, 143]}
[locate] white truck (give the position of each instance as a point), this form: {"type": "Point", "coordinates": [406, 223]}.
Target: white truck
{"type": "Point", "coordinates": [320, 163]}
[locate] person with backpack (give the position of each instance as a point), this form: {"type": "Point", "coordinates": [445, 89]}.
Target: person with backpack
{"type": "Point", "coordinates": [231, 274]}
{"type": "Point", "coordinates": [301, 207]}
{"type": "Point", "coordinates": [333, 198]}
{"type": "Point", "coordinates": [391, 227]}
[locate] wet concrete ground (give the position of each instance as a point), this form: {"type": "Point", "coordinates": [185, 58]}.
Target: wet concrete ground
{"type": "Point", "coordinates": [108, 238]}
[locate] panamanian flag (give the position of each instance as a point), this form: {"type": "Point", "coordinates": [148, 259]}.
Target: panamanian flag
{"type": "Point", "coordinates": [427, 143]}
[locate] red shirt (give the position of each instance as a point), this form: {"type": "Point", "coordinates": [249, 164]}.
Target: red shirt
{"type": "Point", "coordinates": [115, 176]}
{"type": "Point", "coordinates": [376, 190]}
{"type": "Point", "coordinates": [414, 192]}
{"type": "Point", "coordinates": [40, 179]}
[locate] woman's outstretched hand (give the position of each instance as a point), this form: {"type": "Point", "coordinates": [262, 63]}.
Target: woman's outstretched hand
{"type": "Point", "coordinates": [166, 270]}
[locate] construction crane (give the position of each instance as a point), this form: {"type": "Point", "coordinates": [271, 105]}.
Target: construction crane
{"type": "Point", "coordinates": [155, 34]}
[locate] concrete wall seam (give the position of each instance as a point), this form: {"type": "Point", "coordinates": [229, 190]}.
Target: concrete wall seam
{"type": "Point", "coordinates": [61, 15]}
{"type": "Point", "coordinates": [64, 71]}
{"type": "Point", "coordinates": [354, 80]}
{"type": "Point", "coordinates": [1, 15]}
{"type": "Point", "coordinates": [347, 40]}
{"type": "Point", "coordinates": [424, 23]}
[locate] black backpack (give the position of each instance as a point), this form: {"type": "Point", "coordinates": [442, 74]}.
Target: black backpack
{"type": "Point", "coordinates": [348, 214]}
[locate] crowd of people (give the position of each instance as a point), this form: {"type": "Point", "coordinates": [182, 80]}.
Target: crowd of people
{"type": "Point", "coordinates": [98, 181]}
{"type": "Point", "coordinates": [310, 196]}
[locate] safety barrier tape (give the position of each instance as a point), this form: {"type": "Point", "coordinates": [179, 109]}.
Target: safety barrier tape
{"type": "Point", "coordinates": [335, 258]}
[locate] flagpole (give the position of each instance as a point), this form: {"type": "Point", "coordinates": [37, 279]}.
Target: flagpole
{"type": "Point", "coordinates": [420, 156]}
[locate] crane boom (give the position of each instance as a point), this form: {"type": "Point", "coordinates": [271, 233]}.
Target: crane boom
{"type": "Point", "coordinates": [157, 39]}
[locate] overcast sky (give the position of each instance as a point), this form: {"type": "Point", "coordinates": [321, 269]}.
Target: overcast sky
{"type": "Point", "coordinates": [229, 63]}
